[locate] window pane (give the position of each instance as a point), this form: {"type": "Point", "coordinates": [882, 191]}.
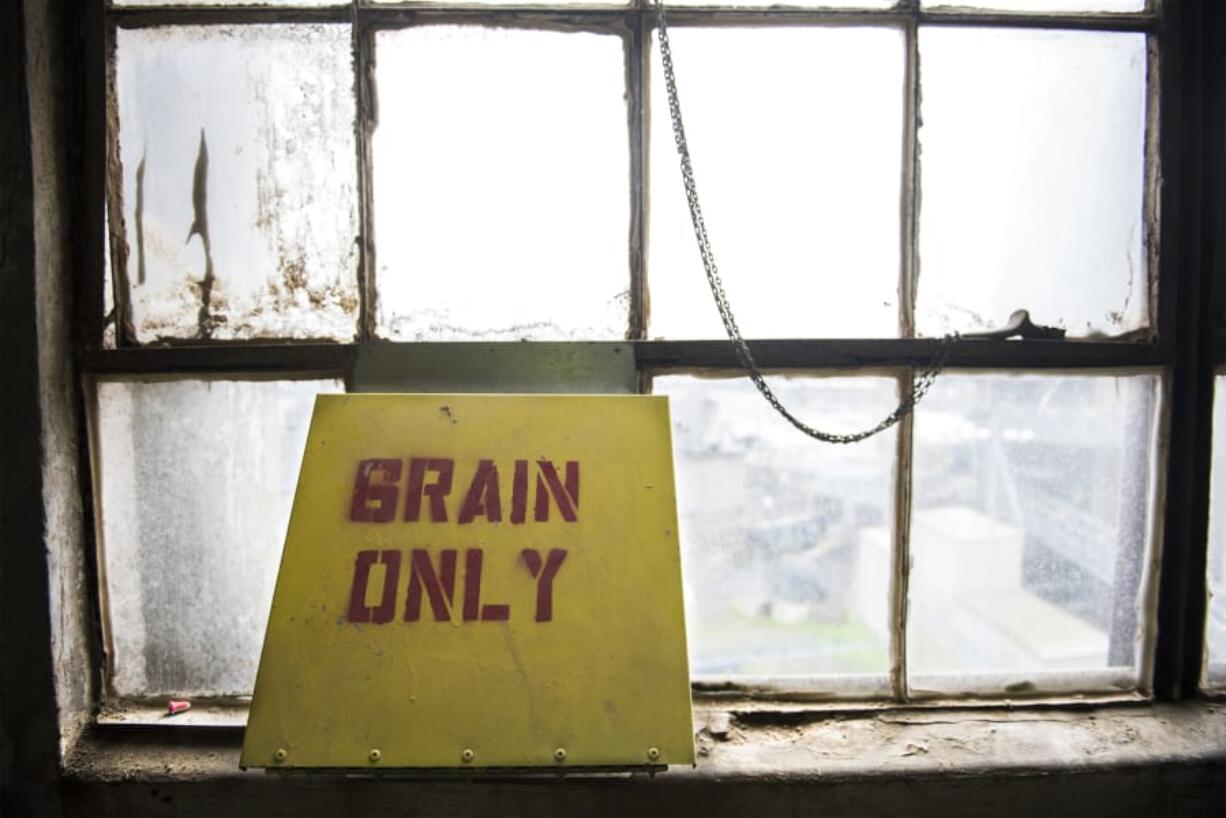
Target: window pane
{"type": "Point", "coordinates": [109, 336]}
{"type": "Point", "coordinates": [786, 542]}
{"type": "Point", "coordinates": [1039, 5]}
{"type": "Point", "coordinates": [239, 181]}
{"type": "Point", "coordinates": [196, 482]}
{"type": "Point", "coordinates": [1032, 174]}
{"type": "Point", "coordinates": [797, 149]}
{"type": "Point", "coordinates": [1215, 623]}
{"type": "Point", "coordinates": [820, 4]}
{"type": "Point", "coordinates": [1030, 529]}
{"type": "Point", "coordinates": [502, 185]}
{"type": "Point", "coordinates": [299, 3]}
{"type": "Point", "coordinates": [535, 3]}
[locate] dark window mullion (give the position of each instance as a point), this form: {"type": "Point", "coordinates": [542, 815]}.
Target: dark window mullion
{"type": "Point", "coordinates": [726, 16]}
{"type": "Point", "coordinates": [144, 16]}
{"type": "Point", "coordinates": [1145, 21]}
{"type": "Point", "coordinates": [909, 206]}
{"type": "Point", "coordinates": [88, 112]}
{"type": "Point", "coordinates": [1184, 282]}
{"type": "Point", "coordinates": [900, 574]}
{"type": "Point", "coordinates": [366, 116]}
{"type": "Point", "coordinates": [909, 270]}
{"type": "Point", "coordinates": [220, 358]}
{"type": "Point", "coordinates": [116, 235]}
{"type": "Point", "coordinates": [638, 70]}
{"type": "Point", "coordinates": [861, 353]}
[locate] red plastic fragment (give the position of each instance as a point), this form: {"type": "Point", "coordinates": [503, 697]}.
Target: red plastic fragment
{"type": "Point", "coordinates": [178, 706]}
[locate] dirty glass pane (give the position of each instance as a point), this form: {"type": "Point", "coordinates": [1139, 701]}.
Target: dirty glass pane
{"type": "Point", "coordinates": [1039, 5]}
{"type": "Point", "coordinates": [825, 4]}
{"type": "Point", "coordinates": [501, 185]}
{"type": "Point", "coordinates": [196, 481]}
{"type": "Point", "coordinates": [1215, 623]}
{"type": "Point", "coordinates": [239, 169]}
{"type": "Point", "coordinates": [109, 334]}
{"type": "Point", "coordinates": [535, 3]}
{"type": "Point", "coordinates": [786, 543]}
{"type": "Point", "coordinates": [1032, 172]}
{"type": "Point", "coordinates": [1030, 528]}
{"type": "Point", "coordinates": [796, 143]}
{"type": "Point", "coordinates": [299, 3]}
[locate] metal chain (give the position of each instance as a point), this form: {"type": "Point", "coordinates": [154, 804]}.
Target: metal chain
{"type": "Point", "coordinates": [921, 383]}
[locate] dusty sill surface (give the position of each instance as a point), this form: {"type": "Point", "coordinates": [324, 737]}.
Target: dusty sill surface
{"type": "Point", "coordinates": [758, 744]}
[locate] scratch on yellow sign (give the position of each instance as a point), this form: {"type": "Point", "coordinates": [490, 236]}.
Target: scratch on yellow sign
{"type": "Point", "coordinates": [478, 581]}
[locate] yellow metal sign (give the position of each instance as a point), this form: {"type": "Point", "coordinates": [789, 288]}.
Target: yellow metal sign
{"type": "Point", "coordinates": [478, 581]}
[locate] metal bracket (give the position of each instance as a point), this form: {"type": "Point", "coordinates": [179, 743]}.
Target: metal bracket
{"type": "Point", "coordinates": [1019, 324]}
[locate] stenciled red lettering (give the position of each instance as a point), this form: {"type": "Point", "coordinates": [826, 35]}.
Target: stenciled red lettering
{"type": "Point", "coordinates": [544, 574]}
{"type": "Point", "coordinates": [433, 577]}
{"type": "Point", "coordinates": [383, 494]}
{"type": "Point", "coordinates": [376, 487]}
{"type": "Point", "coordinates": [439, 587]}
{"type": "Point", "coordinates": [444, 468]}
{"type": "Point", "coordinates": [359, 611]}
{"type": "Point", "coordinates": [566, 496]}
{"type": "Point", "coordinates": [483, 497]}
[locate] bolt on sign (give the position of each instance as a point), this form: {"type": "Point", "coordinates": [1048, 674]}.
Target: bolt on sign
{"type": "Point", "coordinates": [478, 581]}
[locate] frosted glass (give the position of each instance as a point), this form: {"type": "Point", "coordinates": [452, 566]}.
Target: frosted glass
{"type": "Point", "coordinates": [796, 141]}
{"type": "Point", "coordinates": [1030, 526]}
{"type": "Point", "coordinates": [1215, 622]}
{"type": "Point", "coordinates": [1032, 174]}
{"type": "Point", "coordinates": [501, 185]}
{"type": "Point", "coordinates": [239, 181]}
{"type": "Point", "coordinates": [196, 482]}
{"type": "Point", "coordinates": [786, 543]}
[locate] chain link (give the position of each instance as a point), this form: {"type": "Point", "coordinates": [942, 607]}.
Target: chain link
{"type": "Point", "coordinates": [920, 383]}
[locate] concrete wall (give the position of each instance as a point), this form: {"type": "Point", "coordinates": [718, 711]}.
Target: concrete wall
{"type": "Point", "coordinates": [59, 389]}
{"type": "Point", "coordinates": [29, 737]}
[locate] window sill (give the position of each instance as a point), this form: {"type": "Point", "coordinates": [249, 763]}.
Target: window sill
{"type": "Point", "coordinates": [1130, 757]}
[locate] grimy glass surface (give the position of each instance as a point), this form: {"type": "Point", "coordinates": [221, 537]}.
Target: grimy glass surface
{"type": "Point", "coordinates": [786, 543]}
{"type": "Point", "coordinates": [243, 3]}
{"type": "Point", "coordinates": [239, 181]}
{"type": "Point", "coordinates": [1215, 621]}
{"type": "Point", "coordinates": [847, 4]}
{"type": "Point", "coordinates": [197, 478]}
{"type": "Point", "coordinates": [501, 185]}
{"type": "Point", "coordinates": [109, 333]}
{"type": "Point", "coordinates": [1032, 166]}
{"type": "Point", "coordinates": [796, 141]}
{"type": "Point", "coordinates": [534, 3]}
{"type": "Point", "coordinates": [1030, 527]}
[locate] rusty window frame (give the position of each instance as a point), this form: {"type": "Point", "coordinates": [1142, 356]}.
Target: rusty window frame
{"type": "Point", "coordinates": [1172, 345]}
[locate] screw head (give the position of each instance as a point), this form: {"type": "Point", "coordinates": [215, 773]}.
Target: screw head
{"type": "Point", "coordinates": [467, 755]}
{"type": "Point", "coordinates": [559, 754]}
{"type": "Point", "coordinates": [653, 753]}
{"type": "Point", "coordinates": [375, 755]}
{"type": "Point", "coordinates": [280, 755]}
